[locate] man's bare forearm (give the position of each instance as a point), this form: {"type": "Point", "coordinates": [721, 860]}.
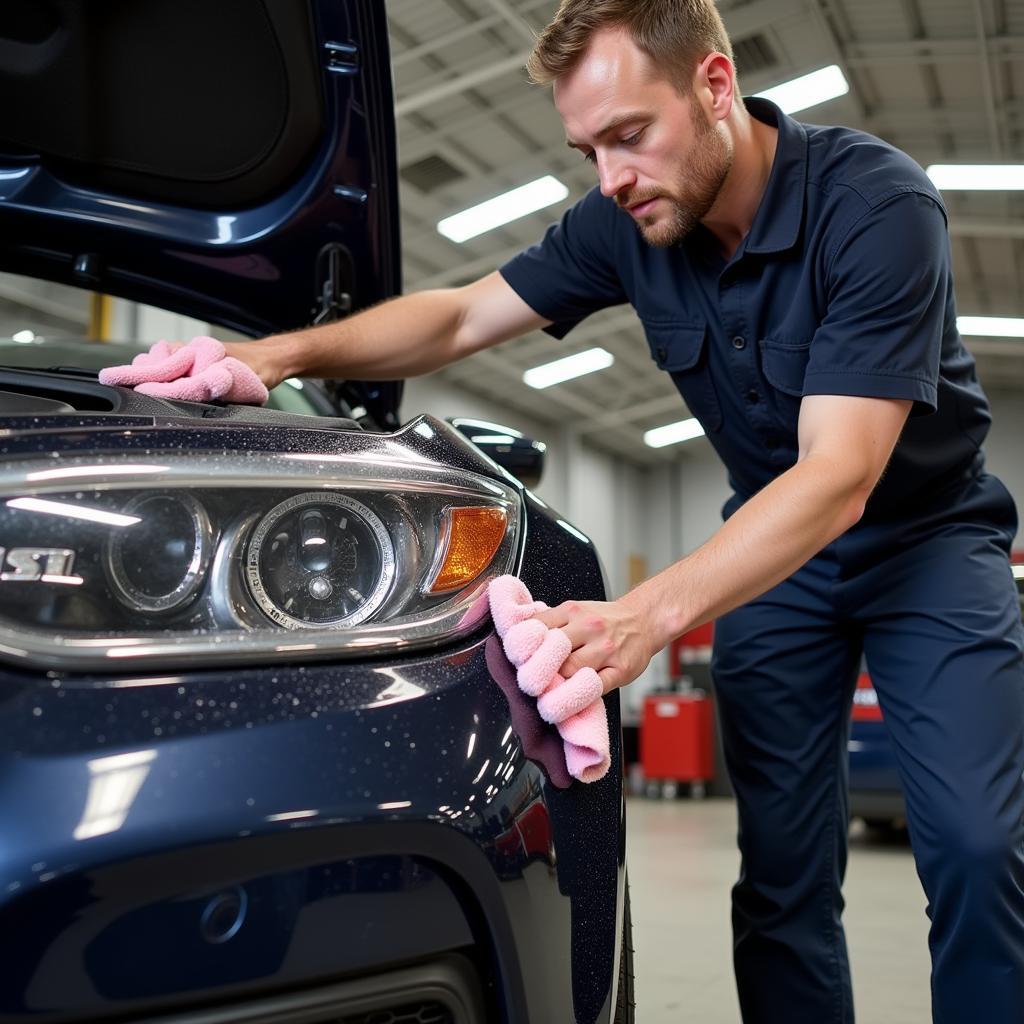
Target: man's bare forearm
{"type": "Point", "coordinates": [405, 337]}
{"type": "Point", "coordinates": [763, 543]}
{"type": "Point", "coordinates": [845, 444]}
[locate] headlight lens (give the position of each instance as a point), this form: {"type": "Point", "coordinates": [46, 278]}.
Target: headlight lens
{"type": "Point", "coordinates": [244, 556]}
{"type": "Point", "coordinates": [160, 568]}
{"type": "Point", "coordinates": [320, 559]}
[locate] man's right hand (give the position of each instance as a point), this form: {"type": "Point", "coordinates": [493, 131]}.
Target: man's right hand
{"type": "Point", "coordinates": [266, 357]}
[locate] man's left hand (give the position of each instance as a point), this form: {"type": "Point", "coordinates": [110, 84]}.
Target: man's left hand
{"type": "Point", "coordinates": [611, 637]}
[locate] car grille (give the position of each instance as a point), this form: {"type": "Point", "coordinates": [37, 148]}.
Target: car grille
{"type": "Point", "coordinates": [443, 991]}
{"type": "Point", "coordinates": [418, 1013]}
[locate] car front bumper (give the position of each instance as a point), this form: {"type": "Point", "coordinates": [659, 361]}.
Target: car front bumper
{"type": "Point", "coordinates": [197, 840]}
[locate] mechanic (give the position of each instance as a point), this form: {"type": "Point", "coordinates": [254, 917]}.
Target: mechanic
{"type": "Point", "coordinates": [795, 282]}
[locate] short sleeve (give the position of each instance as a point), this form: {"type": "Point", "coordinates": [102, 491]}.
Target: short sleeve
{"type": "Point", "coordinates": [571, 272]}
{"type": "Point", "coordinates": [887, 289]}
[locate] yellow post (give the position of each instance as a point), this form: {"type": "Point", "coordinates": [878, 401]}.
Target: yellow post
{"type": "Point", "coordinates": [100, 312]}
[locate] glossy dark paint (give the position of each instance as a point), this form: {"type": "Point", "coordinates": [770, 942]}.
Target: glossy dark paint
{"type": "Point", "coordinates": [257, 270]}
{"type": "Point", "coordinates": [522, 456]}
{"type": "Point", "coordinates": [122, 922]}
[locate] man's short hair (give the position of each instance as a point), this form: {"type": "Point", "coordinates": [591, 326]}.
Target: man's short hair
{"type": "Point", "coordinates": [675, 34]}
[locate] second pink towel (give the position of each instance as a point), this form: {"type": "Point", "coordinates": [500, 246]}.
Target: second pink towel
{"type": "Point", "coordinates": [574, 705]}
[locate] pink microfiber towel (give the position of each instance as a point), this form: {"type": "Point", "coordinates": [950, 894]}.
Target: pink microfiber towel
{"type": "Point", "coordinates": [196, 372]}
{"type": "Point", "coordinates": [573, 705]}
{"type": "Point", "coordinates": [540, 743]}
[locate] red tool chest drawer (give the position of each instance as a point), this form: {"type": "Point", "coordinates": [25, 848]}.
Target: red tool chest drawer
{"type": "Point", "coordinates": [677, 737]}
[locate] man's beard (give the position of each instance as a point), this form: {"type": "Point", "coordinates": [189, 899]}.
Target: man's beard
{"type": "Point", "coordinates": [699, 186]}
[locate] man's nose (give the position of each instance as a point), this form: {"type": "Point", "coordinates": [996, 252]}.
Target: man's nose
{"type": "Point", "coordinates": [614, 177]}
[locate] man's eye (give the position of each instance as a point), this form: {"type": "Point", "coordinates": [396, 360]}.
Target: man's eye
{"type": "Point", "coordinates": [632, 140]}
{"type": "Point", "coordinates": [591, 158]}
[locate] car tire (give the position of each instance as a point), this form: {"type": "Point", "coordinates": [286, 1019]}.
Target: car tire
{"type": "Point", "coordinates": [625, 1005]}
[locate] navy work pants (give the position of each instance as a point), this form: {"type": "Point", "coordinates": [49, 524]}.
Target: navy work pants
{"type": "Point", "coordinates": [932, 606]}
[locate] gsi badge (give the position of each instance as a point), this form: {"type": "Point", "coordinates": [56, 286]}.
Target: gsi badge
{"type": "Point", "coordinates": [30, 565]}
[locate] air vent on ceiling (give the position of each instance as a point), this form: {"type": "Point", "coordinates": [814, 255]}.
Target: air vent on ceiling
{"type": "Point", "coordinates": [430, 173]}
{"type": "Point", "coordinates": [753, 53]}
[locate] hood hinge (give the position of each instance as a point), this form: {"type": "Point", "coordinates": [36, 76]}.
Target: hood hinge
{"type": "Point", "coordinates": [334, 274]}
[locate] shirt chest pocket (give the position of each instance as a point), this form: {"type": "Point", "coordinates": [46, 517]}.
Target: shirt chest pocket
{"type": "Point", "coordinates": [681, 349]}
{"type": "Point", "coordinates": [784, 364]}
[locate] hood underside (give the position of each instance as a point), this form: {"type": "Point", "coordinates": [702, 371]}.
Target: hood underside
{"type": "Point", "coordinates": [231, 161]}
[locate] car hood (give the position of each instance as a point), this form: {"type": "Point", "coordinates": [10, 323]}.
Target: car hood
{"type": "Point", "coordinates": [231, 161]}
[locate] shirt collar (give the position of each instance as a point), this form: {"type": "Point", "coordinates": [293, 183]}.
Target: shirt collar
{"type": "Point", "coordinates": [780, 214]}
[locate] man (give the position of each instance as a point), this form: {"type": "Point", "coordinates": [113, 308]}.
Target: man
{"type": "Point", "coordinates": [795, 282]}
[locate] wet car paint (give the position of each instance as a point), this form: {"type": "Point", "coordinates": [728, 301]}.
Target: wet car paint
{"type": "Point", "coordinates": [313, 794]}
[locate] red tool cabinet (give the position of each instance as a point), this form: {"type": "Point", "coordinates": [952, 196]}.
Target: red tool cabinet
{"type": "Point", "coordinates": [677, 739]}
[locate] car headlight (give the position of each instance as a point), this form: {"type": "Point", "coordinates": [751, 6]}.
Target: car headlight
{"type": "Point", "coordinates": [320, 559]}
{"type": "Point", "coordinates": [186, 558]}
{"type": "Point", "coordinates": [160, 568]}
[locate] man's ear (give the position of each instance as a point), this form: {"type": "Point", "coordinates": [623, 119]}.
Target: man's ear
{"type": "Point", "coordinates": [715, 86]}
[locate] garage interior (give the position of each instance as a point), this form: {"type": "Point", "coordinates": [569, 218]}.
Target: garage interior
{"type": "Point", "coordinates": [941, 79]}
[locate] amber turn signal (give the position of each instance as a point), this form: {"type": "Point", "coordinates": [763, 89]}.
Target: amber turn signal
{"type": "Point", "coordinates": [469, 538]}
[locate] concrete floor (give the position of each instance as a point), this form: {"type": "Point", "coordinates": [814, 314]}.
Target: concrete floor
{"type": "Point", "coordinates": [682, 863]}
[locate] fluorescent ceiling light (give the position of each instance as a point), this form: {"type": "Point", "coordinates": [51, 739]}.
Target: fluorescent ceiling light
{"type": "Point", "coordinates": [23, 337]}
{"type": "Point", "coordinates": [503, 209]}
{"type": "Point", "coordinates": [977, 177]}
{"type": "Point", "coordinates": [808, 90]}
{"type": "Point", "coordinates": [566, 369]}
{"type": "Point", "coordinates": [673, 433]}
{"type": "Point", "coordinates": [991, 326]}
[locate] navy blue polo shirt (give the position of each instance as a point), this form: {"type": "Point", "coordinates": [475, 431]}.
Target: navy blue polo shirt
{"type": "Point", "coordinates": [843, 286]}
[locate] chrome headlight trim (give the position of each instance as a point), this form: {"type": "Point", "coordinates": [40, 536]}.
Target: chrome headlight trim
{"type": "Point", "coordinates": [389, 466]}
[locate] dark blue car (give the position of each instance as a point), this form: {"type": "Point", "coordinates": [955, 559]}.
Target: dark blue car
{"type": "Point", "coordinates": [261, 756]}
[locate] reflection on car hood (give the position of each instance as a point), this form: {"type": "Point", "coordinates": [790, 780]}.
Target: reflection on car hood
{"type": "Point", "coordinates": [235, 167]}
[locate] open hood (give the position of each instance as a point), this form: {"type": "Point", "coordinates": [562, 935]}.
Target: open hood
{"type": "Point", "coordinates": [232, 160]}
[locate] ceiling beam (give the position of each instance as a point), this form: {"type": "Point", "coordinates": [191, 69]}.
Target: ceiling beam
{"type": "Point", "coordinates": [460, 83]}
{"type": "Point", "coordinates": [931, 50]}
{"type": "Point", "coordinates": [621, 417]}
{"type": "Point", "coordinates": [445, 40]}
{"type": "Point", "coordinates": [512, 18]}
{"type": "Point", "coordinates": [987, 86]}
{"type": "Point", "coordinates": [821, 11]}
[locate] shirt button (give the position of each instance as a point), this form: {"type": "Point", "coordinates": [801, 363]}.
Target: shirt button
{"type": "Point", "coordinates": [662, 355]}
{"type": "Point", "coordinates": [739, 343]}
{"type": "Point", "coordinates": [753, 396]}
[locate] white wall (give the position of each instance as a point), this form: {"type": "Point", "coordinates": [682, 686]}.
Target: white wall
{"type": "Point", "coordinates": [133, 321]}
{"type": "Point", "coordinates": [48, 310]}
